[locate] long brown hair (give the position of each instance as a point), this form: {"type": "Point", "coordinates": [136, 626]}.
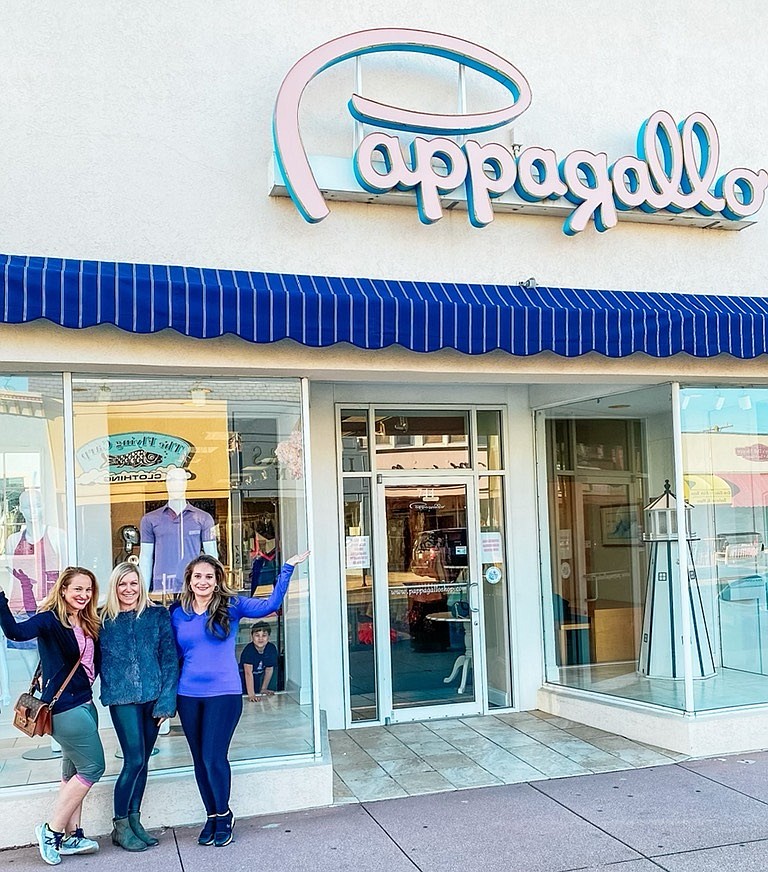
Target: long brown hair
{"type": "Point", "coordinates": [54, 602]}
{"type": "Point", "coordinates": [218, 608]}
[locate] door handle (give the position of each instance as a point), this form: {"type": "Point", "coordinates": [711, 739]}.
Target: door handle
{"type": "Point", "coordinates": [474, 587]}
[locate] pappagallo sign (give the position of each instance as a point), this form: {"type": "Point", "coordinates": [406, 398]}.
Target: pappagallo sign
{"type": "Point", "coordinates": [675, 168]}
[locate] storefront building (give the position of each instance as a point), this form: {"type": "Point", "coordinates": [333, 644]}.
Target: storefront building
{"type": "Point", "coordinates": [457, 349]}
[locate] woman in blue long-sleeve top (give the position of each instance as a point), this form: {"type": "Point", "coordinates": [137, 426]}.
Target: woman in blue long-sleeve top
{"type": "Point", "coordinates": [139, 676]}
{"type": "Point", "coordinates": [210, 701]}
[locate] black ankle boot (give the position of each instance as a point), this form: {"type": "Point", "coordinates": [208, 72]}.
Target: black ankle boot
{"type": "Point", "coordinates": [225, 824]}
{"type": "Point", "coordinates": [208, 831]}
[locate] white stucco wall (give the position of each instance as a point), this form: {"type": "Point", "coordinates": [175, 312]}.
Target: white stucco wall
{"type": "Point", "coordinates": [141, 131]}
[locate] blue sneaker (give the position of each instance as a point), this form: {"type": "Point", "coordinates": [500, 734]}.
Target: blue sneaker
{"type": "Point", "coordinates": [76, 843]}
{"type": "Point", "coordinates": [49, 843]}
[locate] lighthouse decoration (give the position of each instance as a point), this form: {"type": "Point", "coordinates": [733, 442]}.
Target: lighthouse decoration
{"type": "Point", "coordinates": [661, 647]}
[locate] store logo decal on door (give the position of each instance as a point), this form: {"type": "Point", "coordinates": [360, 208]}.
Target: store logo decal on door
{"type": "Point", "coordinates": [674, 171]}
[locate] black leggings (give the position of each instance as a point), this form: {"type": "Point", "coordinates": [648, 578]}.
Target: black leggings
{"type": "Point", "coordinates": [136, 730]}
{"type": "Point", "coordinates": [209, 724]}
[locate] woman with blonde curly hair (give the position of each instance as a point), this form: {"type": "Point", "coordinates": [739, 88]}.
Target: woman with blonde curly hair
{"type": "Point", "coordinates": [67, 631]}
{"type": "Point", "coordinates": [210, 701]}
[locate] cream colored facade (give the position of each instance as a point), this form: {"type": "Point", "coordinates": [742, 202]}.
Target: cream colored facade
{"type": "Point", "coordinates": [140, 133]}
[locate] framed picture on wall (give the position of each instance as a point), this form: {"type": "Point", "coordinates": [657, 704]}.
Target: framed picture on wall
{"type": "Point", "coordinates": [620, 525]}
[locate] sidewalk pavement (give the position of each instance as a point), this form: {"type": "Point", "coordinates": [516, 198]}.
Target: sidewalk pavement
{"type": "Point", "coordinates": [695, 815]}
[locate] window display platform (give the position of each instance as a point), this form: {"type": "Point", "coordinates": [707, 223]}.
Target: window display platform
{"type": "Point", "coordinates": [264, 785]}
{"type": "Point", "coordinates": [273, 727]}
{"type": "Point", "coordinates": [729, 688]}
{"type": "Point", "coordinates": [722, 731]}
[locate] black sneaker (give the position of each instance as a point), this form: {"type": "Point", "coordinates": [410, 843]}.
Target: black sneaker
{"type": "Point", "coordinates": [208, 831]}
{"type": "Point", "coordinates": [225, 824]}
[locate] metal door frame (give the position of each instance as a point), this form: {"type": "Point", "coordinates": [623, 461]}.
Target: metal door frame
{"type": "Point", "coordinates": [387, 712]}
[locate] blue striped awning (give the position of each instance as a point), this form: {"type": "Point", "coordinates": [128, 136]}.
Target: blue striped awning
{"type": "Point", "coordinates": [374, 313]}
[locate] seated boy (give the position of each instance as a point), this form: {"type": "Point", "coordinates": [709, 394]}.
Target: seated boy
{"type": "Point", "coordinates": [258, 662]}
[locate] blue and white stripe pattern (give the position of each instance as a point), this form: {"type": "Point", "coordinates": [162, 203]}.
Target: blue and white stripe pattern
{"type": "Point", "coordinates": [373, 313]}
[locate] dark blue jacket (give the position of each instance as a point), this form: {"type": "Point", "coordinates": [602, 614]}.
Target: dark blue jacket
{"type": "Point", "coordinates": [59, 651]}
{"type": "Point", "coordinates": [139, 661]}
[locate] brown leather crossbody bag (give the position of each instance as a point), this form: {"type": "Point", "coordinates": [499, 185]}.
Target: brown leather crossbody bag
{"type": "Point", "coordinates": [33, 716]}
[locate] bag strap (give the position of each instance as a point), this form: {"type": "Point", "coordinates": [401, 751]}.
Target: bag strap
{"type": "Point", "coordinates": [64, 685]}
{"type": "Point", "coordinates": [35, 683]}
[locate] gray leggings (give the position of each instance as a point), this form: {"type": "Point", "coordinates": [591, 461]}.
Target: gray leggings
{"type": "Point", "coordinates": [82, 754]}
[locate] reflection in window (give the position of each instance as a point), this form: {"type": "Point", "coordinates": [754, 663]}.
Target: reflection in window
{"type": "Point", "coordinates": [495, 591]}
{"type": "Point", "coordinates": [358, 565]}
{"type": "Point", "coordinates": [489, 440]}
{"type": "Point", "coordinates": [725, 449]}
{"type": "Point", "coordinates": [169, 468]}
{"type": "Point", "coordinates": [33, 525]}
{"type": "Point", "coordinates": [422, 440]}
{"type": "Point", "coordinates": [354, 440]}
{"type": "Point", "coordinates": [599, 476]}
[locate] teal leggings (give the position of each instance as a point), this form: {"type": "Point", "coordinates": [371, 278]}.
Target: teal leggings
{"type": "Point", "coordinates": [82, 754]}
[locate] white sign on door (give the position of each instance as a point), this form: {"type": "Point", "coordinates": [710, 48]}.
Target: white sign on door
{"type": "Point", "coordinates": [490, 548]}
{"type": "Point", "coordinates": [358, 552]}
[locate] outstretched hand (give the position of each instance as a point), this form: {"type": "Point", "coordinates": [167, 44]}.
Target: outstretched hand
{"type": "Point", "coordinates": [297, 558]}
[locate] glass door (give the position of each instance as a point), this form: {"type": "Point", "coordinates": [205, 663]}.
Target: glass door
{"type": "Point", "coordinates": [431, 597]}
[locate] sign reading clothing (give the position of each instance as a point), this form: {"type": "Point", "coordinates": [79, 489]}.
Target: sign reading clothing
{"type": "Point", "coordinates": [137, 456]}
{"type": "Point", "coordinates": [675, 168]}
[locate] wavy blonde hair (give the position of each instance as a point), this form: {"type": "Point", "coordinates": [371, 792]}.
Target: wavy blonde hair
{"type": "Point", "coordinates": [54, 602]}
{"type": "Point", "coordinates": [111, 608]}
{"type": "Point", "coordinates": [218, 608]}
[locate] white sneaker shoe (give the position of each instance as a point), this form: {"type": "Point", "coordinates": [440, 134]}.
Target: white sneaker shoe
{"type": "Point", "coordinates": [76, 843]}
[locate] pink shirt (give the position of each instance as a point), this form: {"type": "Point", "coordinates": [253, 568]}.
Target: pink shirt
{"type": "Point", "coordinates": [85, 643]}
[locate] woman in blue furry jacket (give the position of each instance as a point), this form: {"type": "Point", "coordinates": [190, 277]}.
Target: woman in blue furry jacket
{"type": "Point", "coordinates": [139, 678]}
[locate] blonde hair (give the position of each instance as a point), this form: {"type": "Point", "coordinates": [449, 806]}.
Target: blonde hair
{"type": "Point", "coordinates": [54, 602]}
{"type": "Point", "coordinates": [111, 608]}
{"type": "Point", "coordinates": [218, 608]}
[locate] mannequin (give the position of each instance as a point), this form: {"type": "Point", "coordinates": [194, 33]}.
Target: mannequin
{"type": "Point", "coordinates": [35, 556]}
{"type": "Point", "coordinates": [35, 560]}
{"type": "Point", "coordinates": [173, 535]}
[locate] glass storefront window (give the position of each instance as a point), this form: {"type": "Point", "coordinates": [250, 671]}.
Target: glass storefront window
{"type": "Point", "coordinates": [495, 591]}
{"type": "Point", "coordinates": [725, 450]}
{"type": "Point", "coordinates": [33, 540]}
{"type": "Point", "coordinates": [489, 448]}
{"type": "Point", "coordinates": [422, 439]}
{"type": "Point", "coordinates": [358, 567]}
{"type": "Point", "coordinates": [354, 441]}
{"type": "Point", "coordinates": [223, 458]}
{"type": "Point", "coordinates": [620, 451]}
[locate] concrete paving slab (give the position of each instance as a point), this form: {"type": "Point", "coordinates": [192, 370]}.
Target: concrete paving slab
{"type": "Point", "coordinates": [163, 858]}
{"type": "Point", "coordinates": [747, 773]}
{"type": "Point", "coordinates": [662, 810]}
{"type": "Point", "coordinates": [398, 767]}
{"type": "Point", "coordinates": [469, 776]}
{"type": "Point", "coordinates": [749, 857]}
{"type": "Point", "coordinates": [424, 782]}
{"type": "Point", "coordinates": [342, 839]}
{"type": "Point", "coordinates": [513, 828]}
{"type": "Point", "coordinates": [379, 787]}
{"type": "Point", "coordinates": [624, 866]}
